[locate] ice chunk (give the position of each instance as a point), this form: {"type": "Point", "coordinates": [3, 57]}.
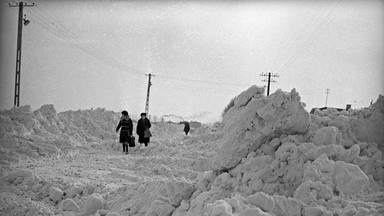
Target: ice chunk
{"type": "Point", "coordinates": [343, 177]}
{"type": "Point", "coordinates": [94, 202]}
{"type": "Point", "coordinates": [327, 136]}
{"type": "Point", "coordinates": [55, 194]}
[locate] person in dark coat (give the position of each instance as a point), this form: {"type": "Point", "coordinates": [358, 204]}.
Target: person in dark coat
{"type": "Point", "coordinates": [142, 125]}
{"type": "Point", "coordinates": [186, 128]}
{"type": "Point", "coordinates": [126, 130]}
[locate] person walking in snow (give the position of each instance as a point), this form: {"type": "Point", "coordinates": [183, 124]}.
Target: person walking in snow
{"type": "Point", "coordinates": [186, 128]}
{"type": "Point", "coordinates": [142, 129]}
{"type": "Point", "coordinates": [126, 126]}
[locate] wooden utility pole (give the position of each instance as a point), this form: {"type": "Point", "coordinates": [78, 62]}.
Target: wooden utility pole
{"type": "Point", "coordinates": [326, 98]}
{"type": "Point", "coordinates": [269, 79]}
{"type": "Point", "coordinates": [149, 86]}
{"type": "Point", "coordinates": [21, 5]}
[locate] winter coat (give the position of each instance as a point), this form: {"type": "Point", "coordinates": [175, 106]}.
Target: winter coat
{"type": "Point", "coordinates": [141, 126]}
{"type": "Point", "coordinates": [126, 129]}
{"type": "Point", "coordinates": [186, 127]}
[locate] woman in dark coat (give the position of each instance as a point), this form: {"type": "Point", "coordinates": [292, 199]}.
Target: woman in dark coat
{"type": "Point", "coordinates": [126, 130]}
{"type": "Point", "coordinates": [142, 125]}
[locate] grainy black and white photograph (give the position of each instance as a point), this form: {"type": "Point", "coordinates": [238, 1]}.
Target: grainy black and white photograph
{"type": "Point", "coordinates": [191, 108]}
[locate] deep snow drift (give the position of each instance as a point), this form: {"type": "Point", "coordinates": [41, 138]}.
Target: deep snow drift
{"type": "Point", "coordinates": [268, 156]}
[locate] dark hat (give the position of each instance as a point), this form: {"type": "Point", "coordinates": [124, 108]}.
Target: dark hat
{"type": "Point", "coordinates": [143, 114]}
{"type": "Point", "coordinates": [124, 113]}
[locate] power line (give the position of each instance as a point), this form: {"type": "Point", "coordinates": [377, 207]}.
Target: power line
{"type": "Point", "coordinates": [303, 35]}
{"type": "Point", "coordinates": [195, 89]}
{"type": "Point", "coordinates": [49, 23]}
{"type": "Point", "coordinates": [9, 4]}
{"type": "Point", "coordinates": [60, 31]}
{"type": "Point", "coordinates": [6, 2]}
{"type": "Point", "coordinates": [201, 81]}
{"type": "Point", "coordinates": [76, 44]}
{"type": "Point", "coordinates": [71, 41]}
{"type": "Point", "coordinates": [319, 24]}
{"type": "Point", "coordinates": [90, 50]}
{"type": "Point", "coordinates": [288, 44]}
{"type": "Point", "coordinates": [56, 29]}
{"type": "Point", "coordinates": [67, 35]}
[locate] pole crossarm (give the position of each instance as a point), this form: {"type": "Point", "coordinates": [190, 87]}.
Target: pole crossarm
{"type": "Point", "coordinates": [267, 74]}
{"type": "Point", "coordinates": [21, 3]}
{"type": "Point", "coordinates": [269, 80]}
{"type": "Point", "coordinates": [266, 80]}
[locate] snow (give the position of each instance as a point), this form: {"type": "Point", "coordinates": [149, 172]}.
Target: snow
{"type": "Point", "coordinates": [55, 194]}
{"type": "Point", "coordinates": [94, 202]}
{"type": "Point", "coordinates": [253, 122]}
{"type": "Point", "coordinates": [268, 156]}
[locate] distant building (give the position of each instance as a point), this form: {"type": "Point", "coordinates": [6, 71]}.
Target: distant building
{"type": "Point", "coordinates": [171, 118]}
{"type": "Point", "coordinates": [195, 124]}
{"type": "Point", "coordinates": [324, 108]}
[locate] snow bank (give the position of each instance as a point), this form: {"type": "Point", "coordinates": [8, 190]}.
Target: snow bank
{"type": "Point", "coordinates": [368, 125]}
{"type": "Point", "coordinates": [150, 198]}
{"type": "Point", "coordinates": [277, 159]}
{"type": "Point", "coordinates": [255, 119]}
{"type": "Point", "coordinates": [44, 133]}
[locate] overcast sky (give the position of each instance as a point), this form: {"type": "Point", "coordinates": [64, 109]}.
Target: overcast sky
{"type": "Point", "coordinates": [89, 54]}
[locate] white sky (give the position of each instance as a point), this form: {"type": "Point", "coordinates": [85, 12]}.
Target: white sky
{"type": "Point", "coordinates": [89, 54]}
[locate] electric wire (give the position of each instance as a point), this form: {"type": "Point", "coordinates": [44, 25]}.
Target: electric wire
{"type": "Point", "coordinates": [194, 88]}
{"type": "Point", "coordinates": [69, 40]}
{"type": "Point", "coordinates": [70, 36]}
{"type": "Point", "coordinates": [201, 81]}
{"type": "Point", "coordinates": [6, 2]}
{"type": "Point", "coordinates": [64, 33]}
{"type": "Point", "coordinates": [64, 36]}
{"type": "Point", "coordinates": [78, 45]}
{"type": "Point", "coordinates": [12, 1]}
{"type": "Point", "coordinates": [301, 35]}
{"type": "Point", "coordinates": [288, 44]}
{"type": "Point", "coordinates": [73, 42]}
{"type": "Point", "coordinates": [308, 40]}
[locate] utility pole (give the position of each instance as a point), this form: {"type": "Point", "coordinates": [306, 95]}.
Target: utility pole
{"type": "Point", "coordinates": [21, 5]}
{"type": "Point", "coordinates": [149, 86]}
{"type": "Point", "coordinates": [326, 98]}
{"type": "Point", "coordinates": [269, 79]}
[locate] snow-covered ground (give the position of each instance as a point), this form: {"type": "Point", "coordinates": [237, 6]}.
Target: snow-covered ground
{"type": "Point", "coordinates": [268, 156]}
